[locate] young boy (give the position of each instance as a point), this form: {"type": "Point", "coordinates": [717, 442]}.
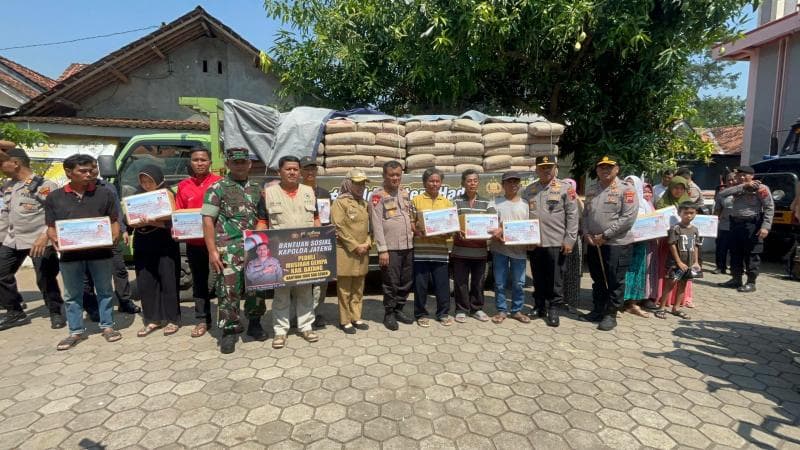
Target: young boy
{"type": "Point", "coordinates": [684, 245]}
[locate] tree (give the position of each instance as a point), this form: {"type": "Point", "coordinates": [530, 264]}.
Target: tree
{"type": "Point", "coordinates": [25, 138]}
{"type": "Point", "coordinates": [614, 71]}
{"type": "Point", "coordinates": [711, 111]}
{"type": "Point", "coordinates": [718, 111]}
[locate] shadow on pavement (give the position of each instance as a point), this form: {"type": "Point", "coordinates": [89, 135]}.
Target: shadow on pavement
{"type": "Point", "coordinates": [750, 358]}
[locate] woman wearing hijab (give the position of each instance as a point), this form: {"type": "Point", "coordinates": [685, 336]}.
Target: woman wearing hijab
{"type": "Point", "coordinates": [677, 192]}
{"type": "Point", "coordinates": [157, 262]}
{"type": "Point", "coordinates": [350, 216]}
{"type": "Point", "coordinates": [573, 269]}
{"type": "Point", "coordinates": [637, 286]}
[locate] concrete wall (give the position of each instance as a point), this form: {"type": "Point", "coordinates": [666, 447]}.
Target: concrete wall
{"type": "Point", "coordinates": [758, 143]}
{"type": "Point", "coordinates": [791, 102]}
{"type": "Point", "coordinates": [154, 89]}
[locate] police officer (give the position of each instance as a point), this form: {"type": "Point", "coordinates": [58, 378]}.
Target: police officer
{"type": "Point", "coordinates": [390, 214]}
{"type": "Point", "coordinates": [26, 235]}
{"type": "Point", "coordinates": [263, 270]}
{"type": "Point", "coordinates": [750, 222]}
{"type": "Point", "coordinates": [553, 203]}
{"type": "Point", "coordinates": [230, 208]}
{"type": "Point", "coordinates": [611, 209]}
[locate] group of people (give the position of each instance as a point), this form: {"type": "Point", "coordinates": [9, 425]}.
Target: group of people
{"type": "Point", "coordinates": [626, 276]}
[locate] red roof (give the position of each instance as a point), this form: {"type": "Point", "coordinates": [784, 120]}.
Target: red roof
{"type": "Point", "coordinates": [71, 70]}
{"type": "Point", "coordinates": [30, 74]}
{"type": "Point", "coordinates": [157, 124]}
{"type": "Point", "coordinates": [17, 85]}
{"type": "Point", "coordinates": [729, 140]}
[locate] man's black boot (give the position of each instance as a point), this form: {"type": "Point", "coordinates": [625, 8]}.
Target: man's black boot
{"type": "Point", "coordinates": [319, 322]}
{"type": "Point", "coordinates": [734, 283]}
{"type": "Point", "coordinates": [552, 319]}
{"type": "Point", "coordinates": [402, 317]}
{"type": "Point", "coordinates": [255, 330]}
{"type": "Point", "coordinates": [608, 323]}
{"type": "Point", "coordinates": [390, 321]}
{"type": "Point", "coordinates": [593, 316]}
{"type": "Point", "coordinates": [227, 344]}
{"type": "Point", "coordinates": [129, 308]}
{"type": "Point", "coordinates": [749, 287]}
{"type": "Point", "coordinates": [13, 319]}
{"type": "Point", "coordinates": [57, 321]}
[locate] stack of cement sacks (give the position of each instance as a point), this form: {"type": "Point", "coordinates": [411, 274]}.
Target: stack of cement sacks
{"type": "Point", "coordinates": [452, 146]}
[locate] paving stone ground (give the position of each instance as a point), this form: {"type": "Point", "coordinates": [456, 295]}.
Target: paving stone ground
{"type": "Point", "coordinates": [724, 379]}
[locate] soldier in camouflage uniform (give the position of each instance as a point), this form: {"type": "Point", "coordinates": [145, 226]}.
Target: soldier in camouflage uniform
{"type": "Point", "coordinates": [230, 208]}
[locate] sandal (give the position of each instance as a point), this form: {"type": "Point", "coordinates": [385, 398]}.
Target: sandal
{"type": "Point", "coordinates": [499, 318]}
{"type": "Point", "coordinates": [661, 314]}
{"type": "Point", "coordinates": [171, 329]}
{"type": "Point", "coordinates": [680, 314]}
{"type": "Point", "coordinates": [446, 321]}
{"type": "Point", "coordinates": [424, 322]}
{"type": "Point", "coordinates": [149, 328]}
{"type": "Point", "coordinates": [461, 317]}
{"type": "Point", "coordinates": [637, 311]}
{"type": "Point", "coordinates": [111, 335]}
{"type": "Point", "coordinates": [279, 341]}
{"type": "Point", "coordinates": [70, 341]}
{"type": "Point", "coordinates": [199, 330]}
{"type": "Point", "coordinates": [521, 317]}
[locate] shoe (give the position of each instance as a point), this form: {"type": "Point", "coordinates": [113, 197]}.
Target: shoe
{"type": "Point", "coordinates": [319, 323]}
{"type": "Point", "coordinates": [361, 326]}
{"type": "Point", "coordinates": [539, 313]}
{"type": "Point", "coordinates": [552, 319]}
{"type": "Point", "coordinates": [390, 322]}
{"type": "Point", "coordinates": [718, 271]}
{"type": "Point", "coordinates": [732, 283]}
{"type": "Point", "coordinates": [227, 344]}
{"type": "Point", "coordinates": [13, 319]}
{"type": "Point", "coordinates": [749, 287]}
{"type": "Point", "coordinates": [608, 323]}
{"type": "Point", "coordinates": [649, 305]}
{"type": "Point", "coordinates": [129, 308]}
{"type": "Point", "coordinates": [279, 341]}
{"type": "Point", "coordinates": [593, 316]}
{"type": "Point", "coordinates": [348, 330]}
{"type": "Point", "coordinates": [57, 321]}
{"type": "Point", "coordinates": [255, 330]}
{"type": "Point", "coordinates": [310, 336]}
{"type": "Point", "coordinates": [402, 317]}
{"type": "Point", "coordinates": [94, 317]}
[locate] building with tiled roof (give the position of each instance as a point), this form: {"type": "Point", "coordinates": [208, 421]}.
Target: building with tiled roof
{"type": "Point", "coordinates": [19, 84]}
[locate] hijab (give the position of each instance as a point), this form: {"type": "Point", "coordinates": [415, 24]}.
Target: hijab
{"type": "Point", "coordinates": [644, 206]}
{"type": "Point", "coordinates": [668, 200]}
{"type": "Point", "coordinates": [346, 189]}
{"type": "Point", "coordinates": [155, 173]}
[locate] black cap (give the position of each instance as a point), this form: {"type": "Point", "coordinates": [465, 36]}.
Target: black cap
{"type": "Point", "coordinates": [17, 153]}
{"type": "Point", "coordinates": [546, 160]}
{"type": "Point", "coordinates": [511, 175]}
{"type": "Point", "coordinates": [307, 161]}
{"type": "Point", "coordinates": [744, 169]}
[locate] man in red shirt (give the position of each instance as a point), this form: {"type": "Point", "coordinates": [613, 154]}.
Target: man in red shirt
{"type": "Point", "coordinates": [191, 192]}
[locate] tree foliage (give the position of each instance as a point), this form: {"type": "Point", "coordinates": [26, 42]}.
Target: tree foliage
{"type": "Point", "coordinates": [615, 71]}
{"type": "Point", "coordinates": [718, 111]}
{"type": "Point", "coordinates": [25, 138]}
{"type": "Point", "coordinates": [709, 111]}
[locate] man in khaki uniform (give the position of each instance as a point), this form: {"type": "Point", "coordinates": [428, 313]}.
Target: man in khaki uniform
{"type": "Point", "coordinates": [390, 213]}
{"type": "Point", "coordinates": [289, 204]}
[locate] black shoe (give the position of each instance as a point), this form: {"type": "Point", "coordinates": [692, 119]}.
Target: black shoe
{"type": "Point", "coordinates": [402, 317]}
{"type": "Point", "coordinates": [348, 330]}
{"type": "Point", "coordinates": [227, 344]}
{"type": "Point", "coordinates": [749, 287]}
{"type": "Point", "coordinates": [13, 319]}
{"type": "Point", "coordinates": [94, 317]}
{"type": "Point", "coordinates": [734, 283]}
{"type": "Point", "coordinates": [593, 316]}
{"type": "Point", "coordinates": [541, 313]}
{"type": "Point", "coordinates": [649, 305]}
{"type": "Point", "coordinates": [390, 321]}
{"type": "Point", "coordinates": [319, 323]}
{"type": "Point", "coordinates": [608, 323]}
{"type": "Point", "coordinates": [129, 308]}
{"type": "Point", "coordinates": [57, 321]}
{"type": "Point", "coordinates": [255, 330]}
{"type": "Point", "coordinates": [361, 326]}
{"type": "Point", "coordinates": [552, 318]}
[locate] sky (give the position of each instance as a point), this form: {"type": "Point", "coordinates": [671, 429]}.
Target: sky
{"type": "Point", "coordinates": [28, 22]}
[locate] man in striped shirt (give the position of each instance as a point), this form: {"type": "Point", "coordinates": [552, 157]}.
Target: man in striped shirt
{"type": "Point", "coordinates": [430, 253]}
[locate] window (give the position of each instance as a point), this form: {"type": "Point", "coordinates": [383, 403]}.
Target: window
{"type": "Point", "coordinates": [219, 67]}
{"type": "Point", "coordinates": [205, 66]}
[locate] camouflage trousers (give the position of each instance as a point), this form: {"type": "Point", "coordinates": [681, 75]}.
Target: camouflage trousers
{"type": "Point", "coordinates": [230, 290]}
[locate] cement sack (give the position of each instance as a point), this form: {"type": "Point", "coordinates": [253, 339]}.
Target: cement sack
{"type": "Point", "coordinates": [372, 172]}
{"type": "Point", "coordinates": [320, 161]}
{"type": "Point", "coordinates": [416, 171]}
{"type": "Point", "coordinates": [457, 136]}
{"type": "Point", "coordinates": [504, 127]}
{"type": "Point", "coordinates": [340, 126]}
{"type": "Point", "coordinates": [545, 129]}
{"type": "Point", "coordinates": [381, 160]}
{"type": "Point", "coordinates": [390, 140]}
{"type": "Point", "coordinates": [495, 163]}
{"type": "Point", "coordinates": [349, 161]}
{"type": "Point", "coordinates": [369, 127]}
{"type": "Point", "coordinates": [321, 171]}
{"type": "Point", "coordinates": [526, 139]}
{"type": "Point", "coordinates": [452, 160]}
{"type": "Point", "coordinates": [510, 150]}
{"type": "Point", "coordinates": [466, 125]}
{"type": "Point", "coordinates": [340, 150]}
{"type": "Point", "coordinates": [521, 168]}
{"type": "Point", "coordinates": [523, 161]}
{"type": "Point", "coordinates": [420, 161]}
{"type": "Point", "coordinates": [461, 168]}
{"type": "Point", "coordinates": [542, 150]}
{"type": "Point", "coordinates": [428, 125]}
{"type": "Point", "coordinates": [447, 169]}
{"type": "Point", "coordinates": [380, 150]}
{"type": "Point", "coordinates": [435, 149]}
{"type": "Point", "coordinates": [321, 149]}
{"type": "Point", "coordinates": [496, 139]}
{"type": "Point", "coordinates": [357, 137]}
{"type": "Point", "coordinates": [468, 149]}
{"type": "Point", "coordinates": [417, 138]}
{"type": "Point", "coordinates": [393, 128]}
